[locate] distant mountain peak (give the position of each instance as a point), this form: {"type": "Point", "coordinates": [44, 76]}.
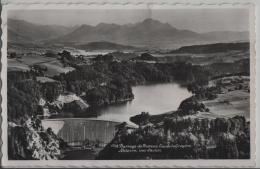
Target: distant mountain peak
{"type": "Point", "coordinates": [150, 20]}
{"type": "Point", "coordinates": [155, 24]}
{"type": "Point", "coordinates": [106, 24]}
{"type": "Point", "coordinates": [83, 26]}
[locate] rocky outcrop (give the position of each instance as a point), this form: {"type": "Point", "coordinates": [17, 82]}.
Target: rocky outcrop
{"type": "Point", "coordinates": [75, 106]}
{"type": "Point", "coordinates": [66, 102]}
{"type": "Point", "coordinates": [30, 142]}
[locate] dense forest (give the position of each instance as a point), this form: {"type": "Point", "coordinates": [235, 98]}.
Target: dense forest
{"type": "Point", "coordinates": [177, 137]}
{"type": "Point", "coordinates": [213, 48]}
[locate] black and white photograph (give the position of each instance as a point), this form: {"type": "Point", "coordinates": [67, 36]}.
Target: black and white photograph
{"type": "Point", "coordinates": [129, 84]}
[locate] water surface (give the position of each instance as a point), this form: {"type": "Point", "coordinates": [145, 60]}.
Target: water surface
{"type": "Point", "coordinates": [152, 98]}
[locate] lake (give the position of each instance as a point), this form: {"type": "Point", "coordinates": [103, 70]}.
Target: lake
{"type": "Point", "coordinates": [77, 52]}
{"type": "Point", "coordinates": [152, 98]}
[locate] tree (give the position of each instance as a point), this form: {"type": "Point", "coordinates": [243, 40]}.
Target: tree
{"type": "Point", "coordinates": [141, 119]}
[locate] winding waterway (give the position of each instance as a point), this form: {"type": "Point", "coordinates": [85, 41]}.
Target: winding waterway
{"type": "Point", "coordinates": [152, 98]}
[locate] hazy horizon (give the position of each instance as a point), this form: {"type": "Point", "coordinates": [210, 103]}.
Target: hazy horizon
{"type": "Point", "coordinates": [198, 20]}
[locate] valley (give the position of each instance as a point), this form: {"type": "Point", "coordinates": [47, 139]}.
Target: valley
{"type": "Point", "coordinates": [77, 92]}
{"type": "Point", "coordinates": [62, 85]}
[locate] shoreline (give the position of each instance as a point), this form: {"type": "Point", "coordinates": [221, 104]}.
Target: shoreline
{"type": "Point", "coordinates": [152, 115]}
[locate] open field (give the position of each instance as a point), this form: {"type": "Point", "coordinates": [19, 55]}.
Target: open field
{"type": "Point", "coordinates": [15, 65]}
{"type": "Point", "coordinates": [230, 104]}
{"type": "Point", "coordinates": [55, 68]}
{"type": "Point", "coordinates": [31, 59]}
{"type": "Point", "coordinates": [52, 66]}
{"type": "Point", "coordinates": [234, 98]}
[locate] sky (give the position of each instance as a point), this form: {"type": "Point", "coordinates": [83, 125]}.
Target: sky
{"type": "Point", "coordinates": [199, 20]}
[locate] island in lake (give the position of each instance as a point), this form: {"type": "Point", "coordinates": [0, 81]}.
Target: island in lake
{"type": "Point", "coordinates": [124, 92]}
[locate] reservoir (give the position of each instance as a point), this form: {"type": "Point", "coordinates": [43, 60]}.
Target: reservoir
{"type": "Point", "coordinates": [152, 98]}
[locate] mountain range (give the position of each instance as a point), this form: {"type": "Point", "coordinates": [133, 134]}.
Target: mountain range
{"type": "Point", "coordinates": [148, 33]}
{"type": "Point", "coordinates": [21, 31]}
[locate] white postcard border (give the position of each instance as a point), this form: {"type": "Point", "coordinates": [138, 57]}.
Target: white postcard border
{"type": "Point", "coordinates": [115, 4]}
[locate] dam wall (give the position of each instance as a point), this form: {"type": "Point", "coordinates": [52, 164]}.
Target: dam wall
{"type": "Point", "coordinates": [76, 130]}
